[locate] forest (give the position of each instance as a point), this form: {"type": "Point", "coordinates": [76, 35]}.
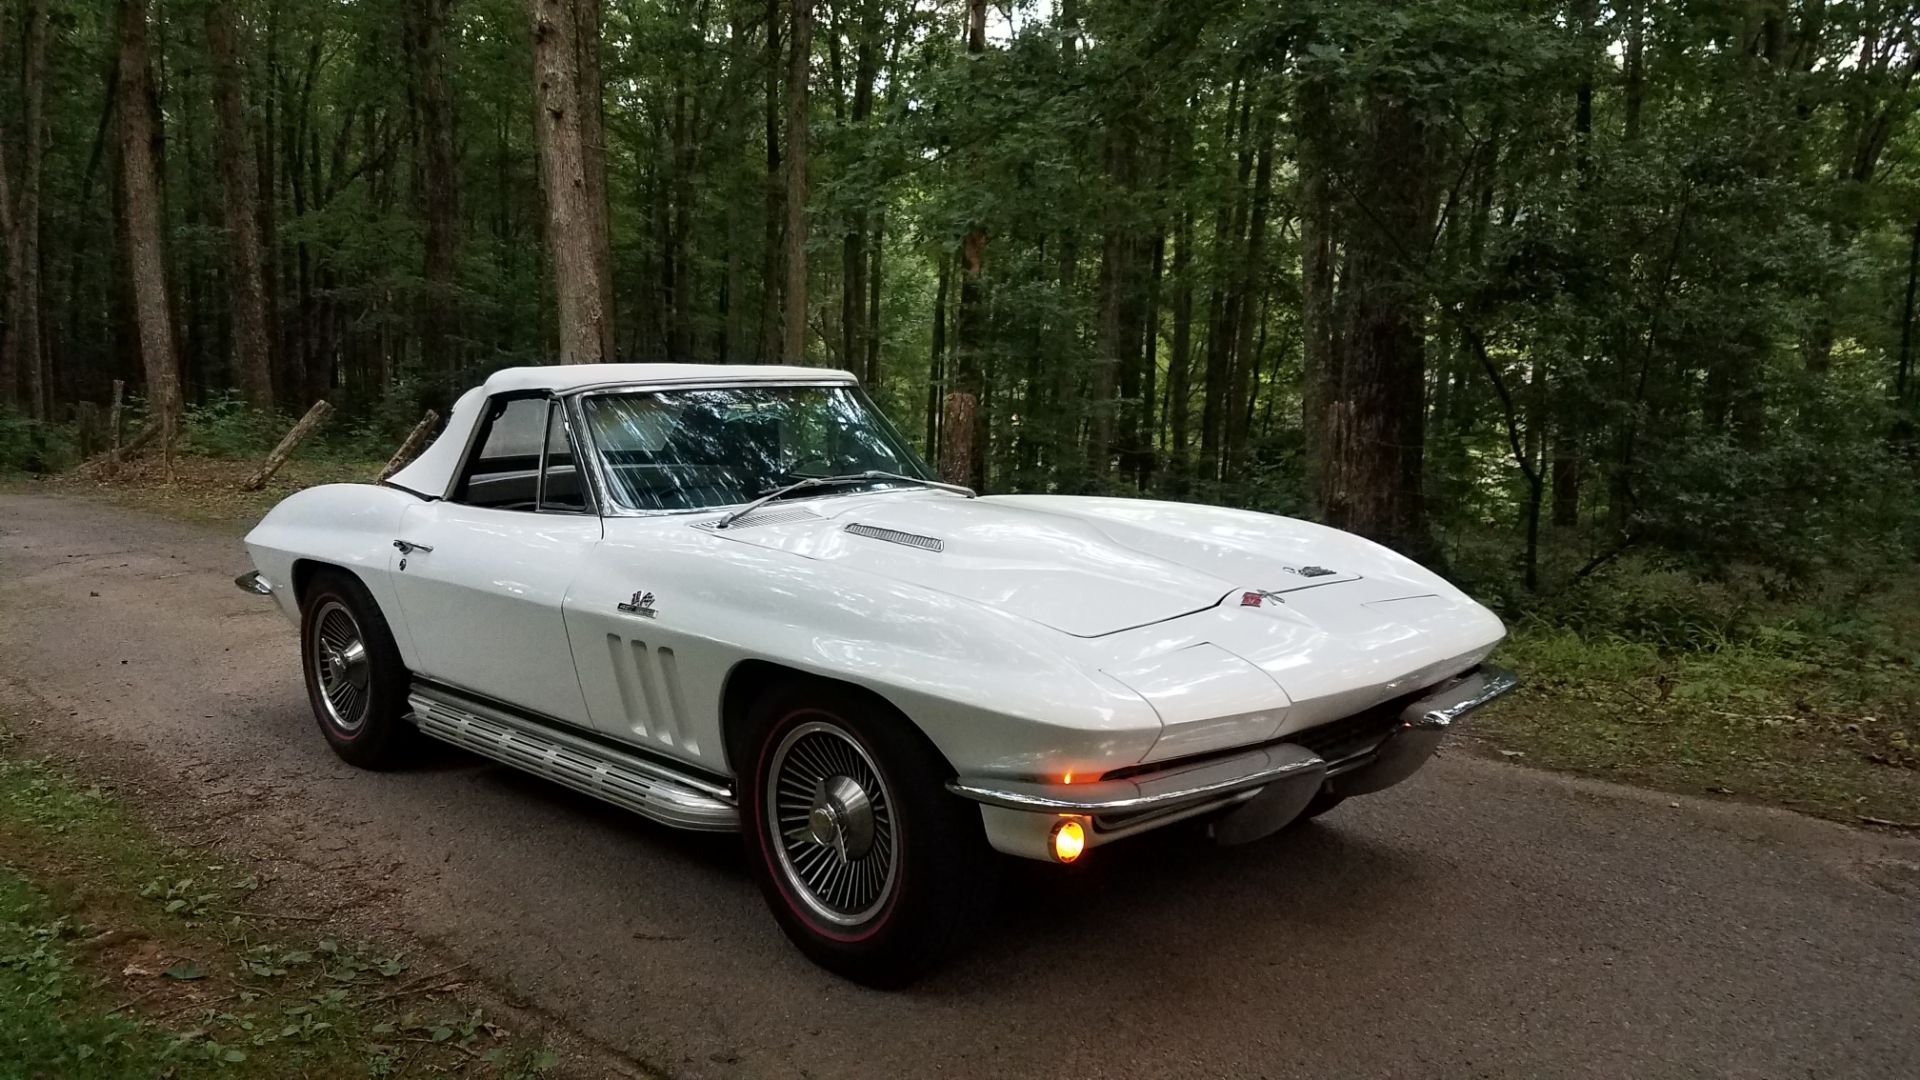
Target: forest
{"type": "Point", "coordinates": [1522, 289]}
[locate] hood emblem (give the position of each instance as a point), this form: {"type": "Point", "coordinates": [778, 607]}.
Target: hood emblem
{"type": "Point", "coordinates": [641, 605]}
{"type": "Point", "coordinates": [1251, 599]}
{"type": "Point", "coordinates": [1310, 571]}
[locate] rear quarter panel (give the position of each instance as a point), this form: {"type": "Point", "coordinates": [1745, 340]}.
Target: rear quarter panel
{"type": "Point", "coordinates": [347, 525]}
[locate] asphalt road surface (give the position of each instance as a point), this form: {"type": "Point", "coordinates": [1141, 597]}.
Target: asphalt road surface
{"type": "Point", "coordinates": [1480, 920]}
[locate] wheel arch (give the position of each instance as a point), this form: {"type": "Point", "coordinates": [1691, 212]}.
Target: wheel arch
{"type": "Point", "coordinates": [304, 571]}
{"type": "Point", "coordinates": [747, 680]}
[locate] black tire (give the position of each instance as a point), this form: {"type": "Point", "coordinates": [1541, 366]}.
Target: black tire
{"type": "Point", "coordinates": [940, 869]}
{"type": "Point", "coordinates": [367, 728]}
{"type": "Point", "coordinates": [1322, 802]}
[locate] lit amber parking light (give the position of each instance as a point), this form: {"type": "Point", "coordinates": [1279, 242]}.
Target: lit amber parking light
{"type": "Point", "coordinates": [1069, 840]}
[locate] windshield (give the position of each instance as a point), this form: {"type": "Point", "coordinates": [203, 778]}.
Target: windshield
{"type": "Point", "coordinates": [693, 449]}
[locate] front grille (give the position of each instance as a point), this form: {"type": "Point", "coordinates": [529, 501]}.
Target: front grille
{"type": "Point", "coordinates": [1349, 736]}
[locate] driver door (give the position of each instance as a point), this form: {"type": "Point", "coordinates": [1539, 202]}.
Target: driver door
{"type": "Point", "coordinates": [481, 574]}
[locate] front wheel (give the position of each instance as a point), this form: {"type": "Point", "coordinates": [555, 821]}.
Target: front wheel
{"type": "Point", "coordinates": [869, 864]}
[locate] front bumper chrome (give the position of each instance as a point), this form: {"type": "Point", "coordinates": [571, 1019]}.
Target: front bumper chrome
{"type": "Point", "coordinates": [252, 582]}
{"type": "Point", "coordinates": [1264, 787]}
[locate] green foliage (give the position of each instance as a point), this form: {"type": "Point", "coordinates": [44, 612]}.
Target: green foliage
{"type": "Point", "coordinates": [225, 426]}
{"type": "Point", "coordinates": [33, 446]}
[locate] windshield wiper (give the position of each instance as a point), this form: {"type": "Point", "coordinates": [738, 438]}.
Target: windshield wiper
{"type": "Point", "coordinates": [822, 481]}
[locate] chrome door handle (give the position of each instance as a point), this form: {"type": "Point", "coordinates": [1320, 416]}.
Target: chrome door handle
{"type": "Point", "coordinates": [408, 547]}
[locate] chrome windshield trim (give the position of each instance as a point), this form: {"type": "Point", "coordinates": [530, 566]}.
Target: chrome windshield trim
{"type": "Point", "coordinates": [1172, 787]}
{"type": "Point", "coordinates": [1438, 710]}
{"type": "Point", "coordinates": [252, 582]}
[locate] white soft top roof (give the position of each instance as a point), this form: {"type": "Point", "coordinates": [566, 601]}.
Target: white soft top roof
{"type": "Point", "coordinates": [432, 472]}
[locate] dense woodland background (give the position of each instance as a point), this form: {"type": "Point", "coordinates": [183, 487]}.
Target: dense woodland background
{"type": "Point", "coordinates": [1524, 289]}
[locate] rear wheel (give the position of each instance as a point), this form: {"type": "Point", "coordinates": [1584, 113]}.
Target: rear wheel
{"type": "Point", "coordinates": [869, 864]}
{"type": "Point", "coordinates": [356, 681]}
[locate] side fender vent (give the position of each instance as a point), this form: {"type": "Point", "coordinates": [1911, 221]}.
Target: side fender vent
{"type": "Point", "coordinates": [895, 536]}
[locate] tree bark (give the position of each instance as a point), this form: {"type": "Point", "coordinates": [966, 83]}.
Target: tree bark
{"type": "Point", "coordinates": [963, 451]}
{"type": "Point", "coordinates": [440, 187]}
{"type": "Point", "coordinates": [771, 279]}
{"type": "Point", "coordinates": [1321, 373]}
{"type": "Point", "coordinates": [23, 364]}
{"type": "Point", "coordinates": [793, 337]}
{"type": "Point", "coordinates": [592, 94]}
{"type": "Point", "coordinates": [1904, 382]}
{"type": "Point", "coordinates": [251, 350]}
{"type": "Point", "coordinates": [937, 360]}
{"type": "Point", "coordinates": [1252, 283]}
{"type": "Point", "coordinates": [574, 250]}
{"type": "Point", "coordinates": [1378, 411]}
{"type": "Point", "coordinates": [147, 263]}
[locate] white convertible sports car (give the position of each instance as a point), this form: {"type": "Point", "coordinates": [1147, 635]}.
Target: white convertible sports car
{"type": "Point", "coordinates": [731, 598]}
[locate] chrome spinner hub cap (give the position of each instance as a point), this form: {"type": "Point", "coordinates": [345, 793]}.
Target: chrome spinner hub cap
{"type": "Point", "coordinates": [340, 665]}
{"type": "Point", "coordinates": [832, 817]}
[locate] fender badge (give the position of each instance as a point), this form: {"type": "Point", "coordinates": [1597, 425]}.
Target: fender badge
{"type": "Point", "coordinates": [641, 605]}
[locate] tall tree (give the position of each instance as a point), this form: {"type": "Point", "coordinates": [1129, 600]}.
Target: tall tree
{"type": "Point", "coordinates": [440, 181]}
{"type": "Point", "coordinates": [963, 457]}
{"type": "Point", "coordinates": [252, 353]}
{"type": "Point", "coordinates": [22, 359]}
{"type": "Point", "coordinates": [1376, 410]}
{"type": "Point", "coordinates": [793, 340]}
{"type": "Point", "coordinates": [142, 224]}
{"type": "Point", "coordinates": [576, 253]}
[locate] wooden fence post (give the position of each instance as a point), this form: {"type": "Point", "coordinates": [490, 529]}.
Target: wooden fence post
{"type": "Point", "coordinates": [280, 453]}
{"type": "Point", "coordinates": [113, 414]}
{"type": "Point", "coordinates": [415, 439]}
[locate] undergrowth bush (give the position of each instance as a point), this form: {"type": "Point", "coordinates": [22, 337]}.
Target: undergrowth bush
{"type": "Point", "coordinates": [225, 426]}
{"type": "Point", "coordinates": [34, 446]}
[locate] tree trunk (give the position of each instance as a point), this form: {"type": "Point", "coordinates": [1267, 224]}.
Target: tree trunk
{"type": "Point", "coordinates": [771, 280]}
{"type": "Point", "coordinates": [1252, 283]}
{"type": "Point", "coordinates": [854, 255]}
{"type": "Point", "coordinates": [23, 366]}
{"type": "Point", "coordinates": [1378, 412]}
{"type": "Point", "coordinates": [139, 176]}
{"type": "Point", "coordinates": [1180, 361]}
{"type": "Point", "coordinates": [592, 95]}
{"type": "Point", "coordinates": [937, 361]}
{"type": "Point", "coordinates": [574, 250]}
{"type": "Point", "coordinates": [1904, 384]}
{"type": "Point", "coordinates": [1321, 374]}
{"type": "Point", "coordinates": [963, 451]}
{"type": "Point", "coordinates": [440, 188]}
{"type": "Point", "coordinates": [1228, 224]}
{"type": "Point", "coordinates": [251, 350]}
{"type": "Point", "coordinates": [793, 337]}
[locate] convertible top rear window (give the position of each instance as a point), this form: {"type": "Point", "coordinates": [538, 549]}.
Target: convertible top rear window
{"type": "Point", "coordinates": [699, 448]}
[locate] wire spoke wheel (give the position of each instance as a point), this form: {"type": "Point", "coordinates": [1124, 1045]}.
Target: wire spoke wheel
{"type": "Point", "coordinates": [340, 664]}
{"type": "Point", "coordinates": [831, 819]}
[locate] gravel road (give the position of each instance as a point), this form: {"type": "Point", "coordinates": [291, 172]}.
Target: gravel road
{"type": "Point", "coordinates": [1483, 920]}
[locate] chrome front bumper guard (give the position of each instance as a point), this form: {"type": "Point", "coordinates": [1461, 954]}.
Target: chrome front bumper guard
{"type": "Point", "coordinates": [252, 582]}
{"type": "Point", "coordinates": [1272, 784]}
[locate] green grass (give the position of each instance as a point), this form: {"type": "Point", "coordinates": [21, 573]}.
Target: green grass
{"type": "Point", "coordinates": [1793, 719]}
{"type": "Point", "coordinates": [122, 956]}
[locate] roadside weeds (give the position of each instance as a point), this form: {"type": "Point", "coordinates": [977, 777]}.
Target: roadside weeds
{"type": "Point", "coordinates": [122, 955]}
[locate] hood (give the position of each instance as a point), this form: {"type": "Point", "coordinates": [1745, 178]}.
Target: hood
{"type": "Point", "coordinates": [1069, 563]}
